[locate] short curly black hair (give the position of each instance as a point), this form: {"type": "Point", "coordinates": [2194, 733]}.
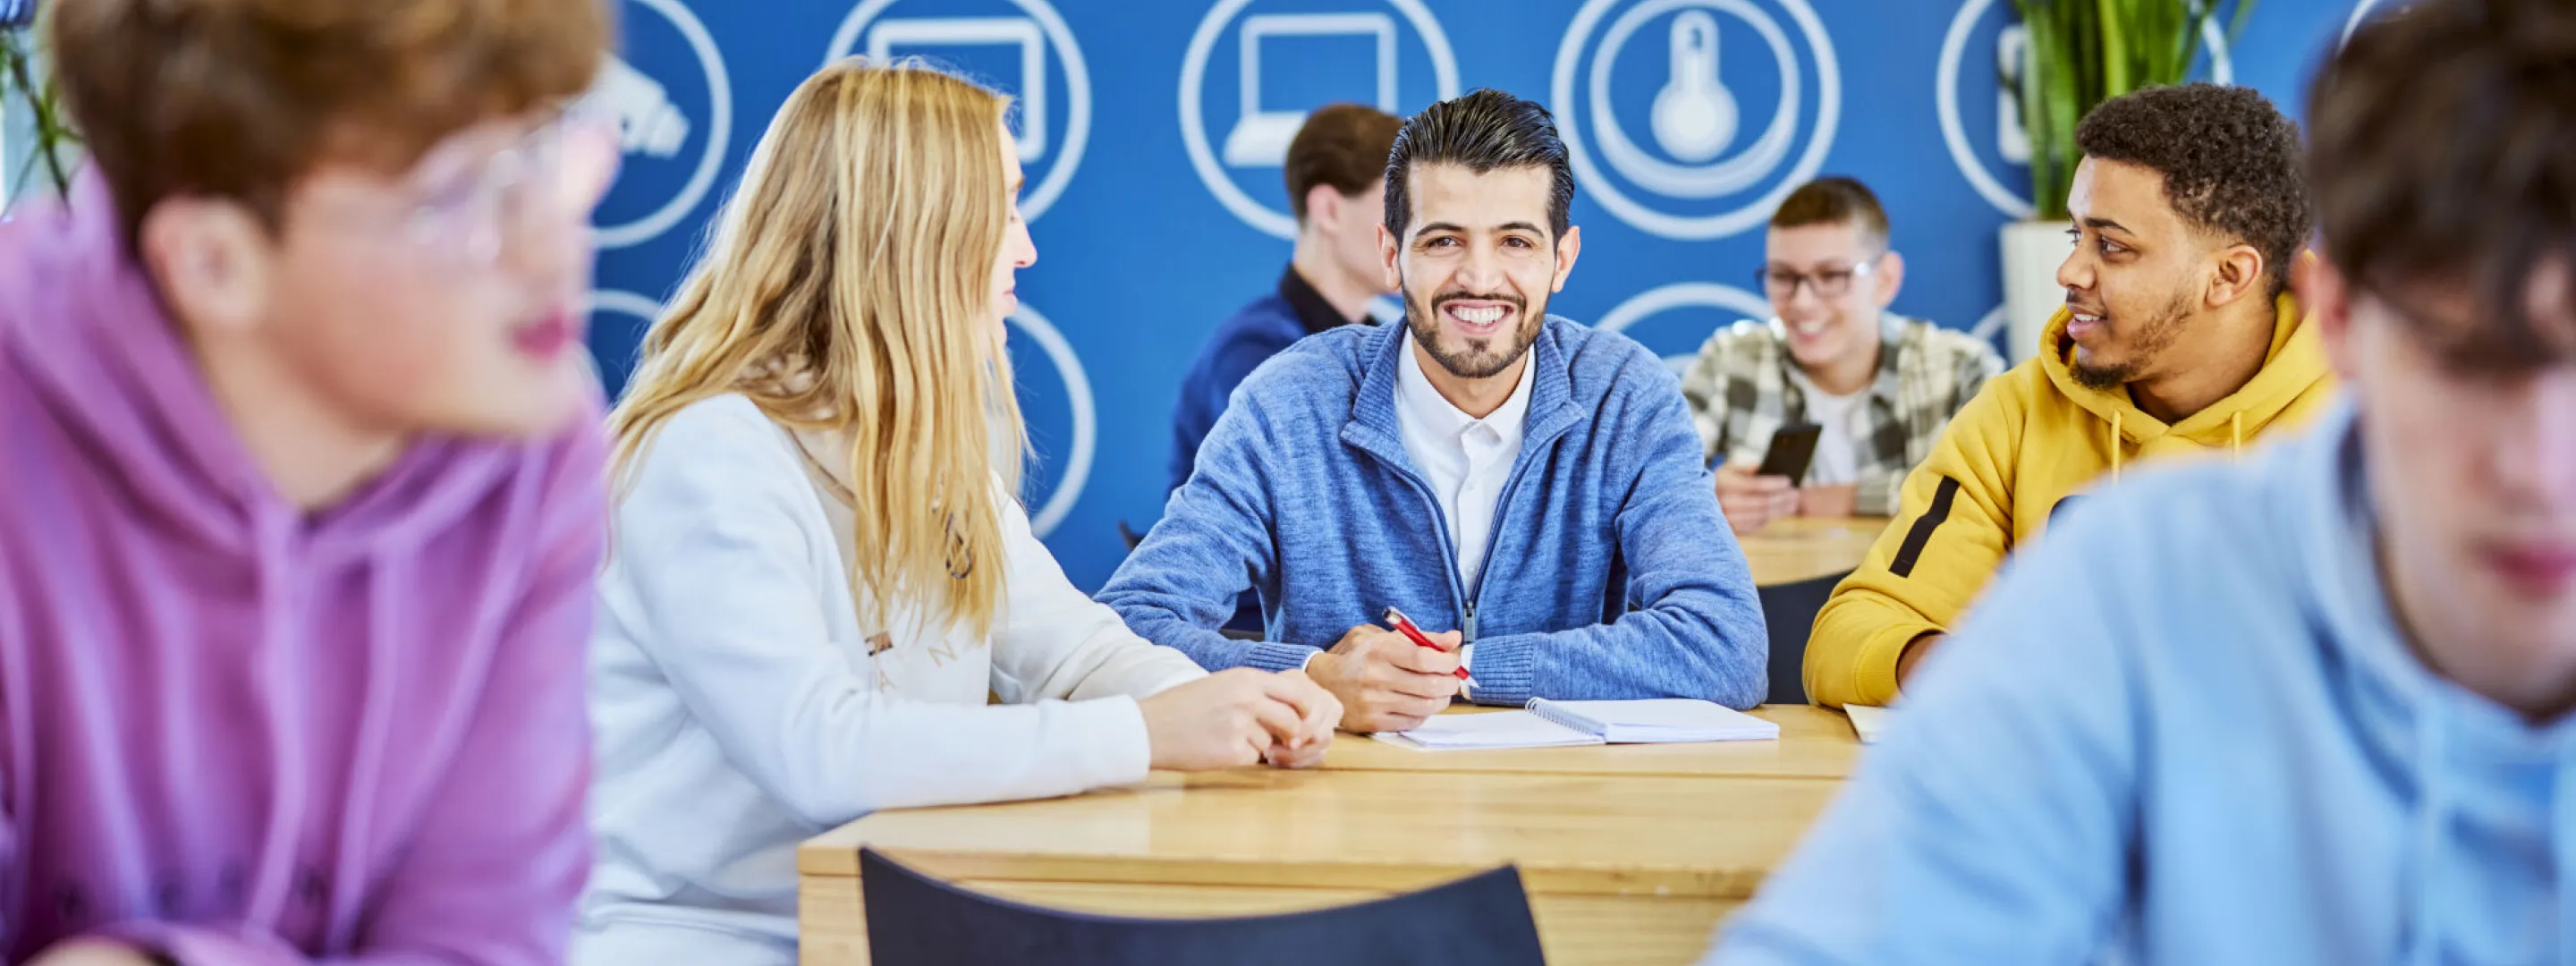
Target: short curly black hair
{"type": "Point", "coordinates": [2232, 163]}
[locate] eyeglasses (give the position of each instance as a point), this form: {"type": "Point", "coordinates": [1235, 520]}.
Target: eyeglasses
{"type": "Point", "coordinates": [1781, 282]}
{"type": "Point", "coordinates": [560, 169]}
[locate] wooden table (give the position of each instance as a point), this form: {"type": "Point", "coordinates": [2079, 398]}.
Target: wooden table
{"type": "Point", "coordinates": [1806, 548]}
{"type": "Point", "coordinates": [1631, 854]}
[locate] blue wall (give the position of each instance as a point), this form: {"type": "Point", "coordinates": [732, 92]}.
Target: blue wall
{"type": "Point", "coordinates": [1149, 195]}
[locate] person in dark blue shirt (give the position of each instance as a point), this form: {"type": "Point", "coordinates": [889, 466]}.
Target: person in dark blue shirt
{"type": "Point", "coordinates": [1336, 171]}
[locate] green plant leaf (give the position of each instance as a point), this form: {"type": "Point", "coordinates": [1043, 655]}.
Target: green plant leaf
{"type": "Point", "coordinates": [21, 78]}
{"type": "Point", "coordinates": [2084, 52]}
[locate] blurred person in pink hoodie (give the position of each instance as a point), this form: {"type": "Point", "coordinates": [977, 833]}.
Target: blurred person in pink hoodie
{"type": "Point", "coordinates": [304, 488]}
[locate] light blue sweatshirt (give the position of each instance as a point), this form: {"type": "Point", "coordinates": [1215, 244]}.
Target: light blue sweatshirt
{"type": "Point", "coordinates": [2186, 727]}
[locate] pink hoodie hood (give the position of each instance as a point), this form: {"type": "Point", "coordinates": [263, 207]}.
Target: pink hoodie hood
{"type": "Point", "coordinates": [232, 728]}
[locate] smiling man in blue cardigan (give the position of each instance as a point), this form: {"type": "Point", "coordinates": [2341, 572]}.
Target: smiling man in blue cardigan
{"type": "Point", "coordinates": [1528, 484]}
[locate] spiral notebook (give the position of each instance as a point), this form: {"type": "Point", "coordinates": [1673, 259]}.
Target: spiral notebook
{"type": "Point", "coordinates": [1550, 723]}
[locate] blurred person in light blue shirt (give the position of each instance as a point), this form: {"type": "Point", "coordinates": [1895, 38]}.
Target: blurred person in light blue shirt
{"type": "Point", "coordinates": [2310, 708]}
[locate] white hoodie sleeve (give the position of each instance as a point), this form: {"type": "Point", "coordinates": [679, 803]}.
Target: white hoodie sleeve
{"type": "Point", "coordinates": [1052, 642]}
{"type": "Point", "coordinates": [717, 536]}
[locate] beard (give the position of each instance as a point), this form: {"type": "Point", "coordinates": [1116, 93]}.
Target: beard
{"type": "Point", "coordinates": [2152, 337]}
{"type": "Point", "coordinates": [1474, 358]}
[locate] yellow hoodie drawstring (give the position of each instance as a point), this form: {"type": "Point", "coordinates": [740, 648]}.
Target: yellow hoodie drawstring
{"type": "Point", "coordinates": [2115, 446]}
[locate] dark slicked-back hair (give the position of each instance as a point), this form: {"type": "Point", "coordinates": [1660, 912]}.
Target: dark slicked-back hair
{"type": "Point", "coordinates": [1484, 130]}
{"type": "Point", "coordinates": [2444, 154]}
{"type": "Point", "coordinates": [2231, 162]}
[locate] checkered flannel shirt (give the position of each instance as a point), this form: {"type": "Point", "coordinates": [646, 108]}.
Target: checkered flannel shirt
{"type": "Point", "coordinates": [1740, 394]}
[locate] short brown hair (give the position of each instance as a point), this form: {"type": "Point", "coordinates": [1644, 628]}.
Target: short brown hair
{"type": "Point", "coordinates": [2230, 161]}
{"type": "Point", "coordinates": [241, 98]}
{"type": "Point", "coordinates": [1834, 200]}
{"type": "Point", "coordinates": [2443, 150]}
{"type": "Point", "coordinates": [1341, 145]}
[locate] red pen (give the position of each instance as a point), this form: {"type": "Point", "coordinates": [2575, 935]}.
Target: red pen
{"type": "Point", "coordinates": [1404, 625]}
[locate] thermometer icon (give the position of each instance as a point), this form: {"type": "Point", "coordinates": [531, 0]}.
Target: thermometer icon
{"type": "Point", "coordinates": [1695, 115]}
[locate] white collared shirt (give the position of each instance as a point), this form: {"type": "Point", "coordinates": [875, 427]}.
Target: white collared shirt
{"type": "Point", "coordinates": [1465, 459]}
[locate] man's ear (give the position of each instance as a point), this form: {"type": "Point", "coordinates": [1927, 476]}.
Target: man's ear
{"type": "Point", "coordinates": [2326, 296]}
{"type": "Point", "coordinates": [1325, 206]}
{"type": "Point", "coordinates": [2241, 273]}
{"type": "Point", "coordinates": [212, 260]}
{"type": "Point", "coordinates": [1391, 250]}
{"type": "Point", "coordinates": [1568, 248]}
{"type": "Point", "coordinates": [1891, 277]}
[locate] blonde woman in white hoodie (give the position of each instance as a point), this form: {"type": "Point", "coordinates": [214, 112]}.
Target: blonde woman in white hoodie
{"type": "Point", "coordinates": [817, 567]}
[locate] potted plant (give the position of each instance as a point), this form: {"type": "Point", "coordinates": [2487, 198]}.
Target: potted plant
{"type": "Point", "coordinates": [35, 133]}
{"type": "Point", "coordinates": [2084, 52]}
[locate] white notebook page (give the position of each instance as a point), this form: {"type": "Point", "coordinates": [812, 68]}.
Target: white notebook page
{"type": "Point", "coordinates": [1496, 729]}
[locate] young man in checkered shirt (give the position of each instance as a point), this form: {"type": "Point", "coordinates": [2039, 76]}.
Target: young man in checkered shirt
{"type": "Point", "coordinates": [1880, 386]}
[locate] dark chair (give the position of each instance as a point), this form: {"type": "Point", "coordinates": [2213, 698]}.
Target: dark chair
{"type": "Point", "coordinates": [1129, 536]}
{"type": "Point", "coordinates": [1790, 612]}
{"type": "Point", "coordinates": [914, 920]}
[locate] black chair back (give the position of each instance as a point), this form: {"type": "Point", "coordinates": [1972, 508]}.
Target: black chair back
{"type": "Point", "coordinates": [1789, 610]}
{"type": "Point", "coordinates": [914, 920]}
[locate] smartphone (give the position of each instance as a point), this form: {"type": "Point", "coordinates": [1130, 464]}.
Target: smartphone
{"type": "Point", "coordinates": [1792, 448]}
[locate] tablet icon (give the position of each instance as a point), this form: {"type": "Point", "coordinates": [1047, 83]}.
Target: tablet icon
{"type": "Point", "coordinates": [1286, 65]}
{"type": "Point", "coordinates": [1025, 49]}
{"type": "Point", "coordinates": [889, 37]}
{"type": "Point", "coordinates": [674, 124]}
{"type": "Point", "coordinates": [1745, 99]}
{"type": "Point", "coordinates": [1999, 169]}
{"type": "Point", "coordinates": [1260, 138]}
{"type": "Point", "coordinates": [2012, 57]}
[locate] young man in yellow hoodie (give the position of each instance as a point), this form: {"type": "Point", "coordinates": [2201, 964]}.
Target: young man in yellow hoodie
{"type": "Point", "coordinates": [2178, 337]}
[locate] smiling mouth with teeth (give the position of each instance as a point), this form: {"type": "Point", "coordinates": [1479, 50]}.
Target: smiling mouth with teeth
{"type": "Point", "coordinates": [1479, 316]}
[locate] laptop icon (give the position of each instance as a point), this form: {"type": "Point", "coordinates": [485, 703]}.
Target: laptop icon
{"type": "Point", "coordinates": [981, 31]}
{"type": "Point", "coordinates": [1260, 138]}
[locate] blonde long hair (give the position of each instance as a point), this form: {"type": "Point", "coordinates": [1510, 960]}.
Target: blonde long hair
{"type": "Point", "coordinates": [848, 291]}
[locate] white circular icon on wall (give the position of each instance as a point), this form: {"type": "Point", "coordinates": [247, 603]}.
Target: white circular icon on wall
{"type": "Point", "coordinates": [1678, 350]}
{"type": "Point", "coordinates": [1267, 113]}
{"type": "Point", "coordinates": [655, 129]}
{"type": "Point", "coordinates": [1988, 326]}
{"type": "Point", "coordinates": [1706, 137]}
{"type": "Point", "coordinates": [640, 312]}
{"type": "Point", "coordinates": [1078, 402]}
{"type": "Point", "coordinates": [1052, 134]}
{"type": "Point", "coordinates": [2010, 145]}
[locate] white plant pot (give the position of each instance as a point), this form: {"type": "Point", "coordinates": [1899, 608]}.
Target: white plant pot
{"type": "Point", "coordinates": [2032, 252]}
